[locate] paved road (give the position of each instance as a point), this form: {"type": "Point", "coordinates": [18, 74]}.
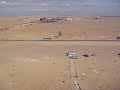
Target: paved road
{"type": "Point", "coordinates": [83, 42]}
{"type": "Point", "coordinates": [64, 42]}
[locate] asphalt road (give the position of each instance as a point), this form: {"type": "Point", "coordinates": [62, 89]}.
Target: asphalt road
{"type": "Point", "coordinates": [64, 42]}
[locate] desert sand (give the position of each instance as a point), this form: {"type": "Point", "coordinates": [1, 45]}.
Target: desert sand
{"type": "Point", "coordinates": [80, 28]}
{"type": "Point", "coordinates": [28, 64]}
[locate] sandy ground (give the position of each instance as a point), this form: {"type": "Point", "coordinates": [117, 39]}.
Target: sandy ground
{"type": "Point", "coordinates": [43, 65]}
{"type": "Point", "coordinates": [80, 28]}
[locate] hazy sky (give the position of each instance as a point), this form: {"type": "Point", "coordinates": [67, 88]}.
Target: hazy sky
{"type": "Point", "coordinates": [60, 7]}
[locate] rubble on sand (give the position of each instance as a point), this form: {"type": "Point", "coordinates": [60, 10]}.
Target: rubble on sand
{"type": "Point", "coordinates": [118, 38]}
{"type": "Point", "coordinates": [118, 54]}
{"type": "Point", "coordinates": [3, 28]}
{"type": "Point", "coordinates": [86, 55]}
{"type": "Point", "coordinates": [93, 54]}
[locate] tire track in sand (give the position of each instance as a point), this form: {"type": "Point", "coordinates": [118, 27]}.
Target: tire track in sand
{"type": "Point", "coordinates": [73, 74]}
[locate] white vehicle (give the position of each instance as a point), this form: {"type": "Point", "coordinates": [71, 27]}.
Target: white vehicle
{"type": "Point", "coordinates": [71, 55]}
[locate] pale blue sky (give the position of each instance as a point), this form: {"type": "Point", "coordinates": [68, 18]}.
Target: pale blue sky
{"type": "Point", "coordinates": [60, 7]}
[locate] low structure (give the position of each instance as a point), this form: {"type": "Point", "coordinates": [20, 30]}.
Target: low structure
{"type": "Point", "coordinates": [46, 38]}
{"type": "Point", "coordinates": [69, 19]}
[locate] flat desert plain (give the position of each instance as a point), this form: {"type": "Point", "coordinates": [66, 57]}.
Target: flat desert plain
{"type": "Point", "coordinates": [28, 62]}
{"type": "Point", "coordinates": [80, 28]}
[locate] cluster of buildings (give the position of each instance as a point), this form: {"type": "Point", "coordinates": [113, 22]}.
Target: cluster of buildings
{"type": "Point", "coordinates": [54, 19]}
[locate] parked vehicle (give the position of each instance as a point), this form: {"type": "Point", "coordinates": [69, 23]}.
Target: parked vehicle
{"type": "Point", "coordinates": [71, 55]}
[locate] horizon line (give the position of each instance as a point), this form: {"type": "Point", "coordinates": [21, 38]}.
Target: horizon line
{"type": "Point", "coordinates": [59, 16]}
